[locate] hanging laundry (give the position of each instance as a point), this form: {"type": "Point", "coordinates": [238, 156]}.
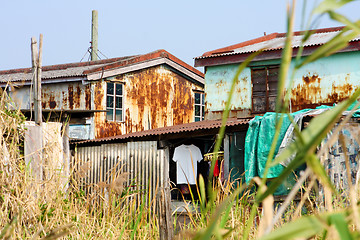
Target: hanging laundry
{"type": "Point", "coordinates": [186, 158]}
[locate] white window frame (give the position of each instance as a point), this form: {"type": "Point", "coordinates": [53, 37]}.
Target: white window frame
{"type": "Point", "coordinates": [201, 105]}
{"type": "Point", "coordinates": [114, 108]}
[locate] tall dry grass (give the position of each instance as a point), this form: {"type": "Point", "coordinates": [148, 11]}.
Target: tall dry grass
{"type": "Point", "coordinates": [32, 208]}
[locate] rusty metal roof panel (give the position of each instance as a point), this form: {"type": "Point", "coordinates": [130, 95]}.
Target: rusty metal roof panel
{"type": "Point", "coordinates": [57, 71]}
{"type": "Point", "coordinates": [316, 39]}
{"type": "Point", "coordinates": [187, 127]}
{"type": "Point", "coordinates": [69, 72]}
{"type": "Point", "coordinates": [83, 69]}
{"type": "Point", "coordinates": [275, 41]}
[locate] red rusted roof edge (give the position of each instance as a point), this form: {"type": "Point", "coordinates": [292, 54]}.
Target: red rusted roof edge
{"type": "Point", "coordinates": [146, 57]}
{"type": "Point", "coordinates": [187, 127]}
{"type": "Point", "coordinates": [265, 38]}
{"type": "Point", "coordinates": [65, 65]}
{"type": "Point", "coordinates": [111, 63]}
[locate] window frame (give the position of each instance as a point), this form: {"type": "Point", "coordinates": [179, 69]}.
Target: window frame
{"type": "Point", "coordinates": [201, 117]}
{"type": "Point", "coordinates": [114, 95]}
{"type": "Point", "coordinates": [268, 92]}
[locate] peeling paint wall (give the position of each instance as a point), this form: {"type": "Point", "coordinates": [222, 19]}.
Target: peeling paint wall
{"type": "Point", "coordinates": [56, 96]}
{"type": "Point", "coordinates": [324, 82]}
{"type": "Point", "coordinates": [218, 82]}
{"type": "Point", "coordinates": [154, 97]}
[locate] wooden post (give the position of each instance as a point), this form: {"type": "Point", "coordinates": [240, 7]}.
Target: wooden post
{"type": "Point", "coordinates": [39, 71]}
{"type": "Point", "coordinates": [36, 70]}
{"type": "Point", "coordinates": [34, 55]}
{"type": "Point", "coordinates": [94, 35]}
{"type": "Point", "coordinates": [164, 214]}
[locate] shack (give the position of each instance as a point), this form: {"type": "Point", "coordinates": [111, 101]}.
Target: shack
{"type": "Point", "coordinates": [113, 96]}
{"type": "Point", "coordinates": [147, 156]}
{"type": "Point", "coordinates": [322, 83]}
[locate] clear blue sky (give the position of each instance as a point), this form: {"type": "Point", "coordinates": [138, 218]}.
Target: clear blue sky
{"type": "Point", "coordinates": [185, 28]}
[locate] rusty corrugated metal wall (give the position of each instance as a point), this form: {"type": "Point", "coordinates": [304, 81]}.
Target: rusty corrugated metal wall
{"type": "Point", "coordinates": [145, 166]}
{"type": "Point", "coordinates": [56, 96]}
{"type": "Point", "coordinates": [154, 97]}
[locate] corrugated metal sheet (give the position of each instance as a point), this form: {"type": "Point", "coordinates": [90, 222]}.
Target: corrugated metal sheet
{"type": "Point", "coordinates": [59, 96]}
{"type": "Point", "coordinates": [144, 166]}
{"type": "Point", "coordinates": [56, 71]}
{"type": "Point", "coordinates": [278, 43]}
{"type": "Point", "coordinates": [188, 127]}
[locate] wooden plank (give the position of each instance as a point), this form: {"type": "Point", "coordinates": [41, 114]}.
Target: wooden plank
{"type": "Point", "coordinates": [164, 214]}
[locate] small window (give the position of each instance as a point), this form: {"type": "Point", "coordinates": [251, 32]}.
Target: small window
{"type": "Point", "coordinates": [264, 92]}
{"type": "Point", "coordinates": [114, 101]}
{"type": "Point", "coordinates": [199, 106]}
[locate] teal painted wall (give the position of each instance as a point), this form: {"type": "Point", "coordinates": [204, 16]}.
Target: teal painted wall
{"type": "Point", "coordinates": [325, 81]}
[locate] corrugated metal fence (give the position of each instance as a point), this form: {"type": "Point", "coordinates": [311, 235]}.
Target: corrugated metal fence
{"type": "Point", "coordinates": [143, 165]}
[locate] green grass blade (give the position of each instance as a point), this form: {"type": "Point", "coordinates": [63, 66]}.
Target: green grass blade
{"type": "Point", "coordinates": [340, 41]}
{"type": "Point", "coordinates": [330, 5]}
{"type": "Point", "coordinates": [202, 194]}
{"type": "Point", "coordinates": [304, 228]}
{"type": "Point", "coordinates": [314, 163]}
{"type": "Point", "coordinates": [341, 18]}
{"type": "Point", "coordinates": [225, 116]}
{"type": "Point", "coordinates": [285, 60]}
{"type": "Point", "coordinates": [213, 225]}
{"type": "Point", "coordinates": [341, 225]}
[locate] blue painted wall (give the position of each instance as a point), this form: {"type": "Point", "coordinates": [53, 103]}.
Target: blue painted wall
{"type": "Point", "coordinates": [325, 81]}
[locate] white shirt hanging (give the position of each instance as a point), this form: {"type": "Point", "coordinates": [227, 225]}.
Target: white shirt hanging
{"type": "Point", "coordinates": [186, 170]}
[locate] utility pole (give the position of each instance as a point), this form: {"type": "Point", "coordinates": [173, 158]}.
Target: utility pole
{"type": "Point", "coordinates": [94, 35]}
{"type": "Point", "coordinates": [36, 70]}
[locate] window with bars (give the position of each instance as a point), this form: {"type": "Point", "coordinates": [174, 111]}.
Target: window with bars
{"type": "Point", "coordinates": [264, 81]}
{"type": "Point", "coordinates": [199, 106]}
{"type": "Point", "coordinates": [114, 101]}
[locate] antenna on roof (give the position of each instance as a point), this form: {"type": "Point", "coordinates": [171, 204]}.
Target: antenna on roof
{"type": "Point", "coordinates": [93, 50]}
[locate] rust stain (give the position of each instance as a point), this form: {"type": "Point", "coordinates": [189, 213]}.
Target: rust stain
{"type": "Point", "coordinates": [310, 95]}
{"type": "Point", "coordinates": [77, 97]}
{"type": "Point", "coordinates": [88, 97]}
{"type": "Point", "coordinates": [340, 93]}
{"type": "Point", "coordinates": [64, 98]}
{"type": "Point", "coordinates": [71, 97]}
{"type": "Point", "coordinates": [155, 97]}
{"type": "Point", "coordinates": [48, 99]}
{"type": "Point", "coordinates": [108, 129]}
{"type": "Point", "coordinates": [311, 78]}
{"type": "Point", "coordinates": [220, 84]}
{"type": "Point", "coordinates": [234, 113]}
{"type": "Point", "coordinates": [99, 95]}
{"type": "Point", "coordinates": [52, 102]}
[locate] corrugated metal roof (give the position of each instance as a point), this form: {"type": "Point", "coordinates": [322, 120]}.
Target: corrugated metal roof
{"type": "Point", "coordinates": [82, 69]}
{"type": "Point", "coordinates": [56, 71]}
{"type": "Point", "coordinates": [276, 41]}
{"type": "Point", "coordinates": [187, 127]}
{"type": "Point", "coordinates": [68, 72]}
